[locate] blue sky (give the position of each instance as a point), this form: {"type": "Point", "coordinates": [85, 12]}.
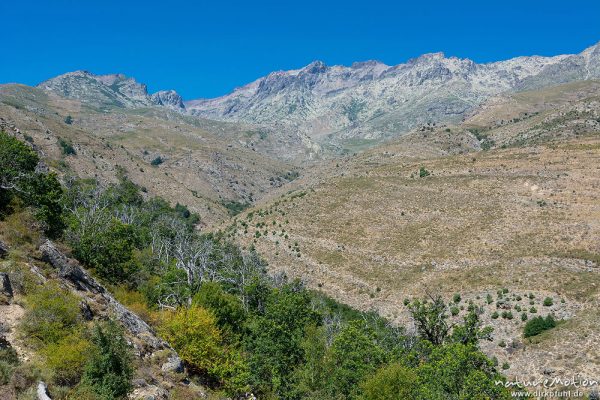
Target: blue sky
{"type": "Point", "coordinates": [205, 49]}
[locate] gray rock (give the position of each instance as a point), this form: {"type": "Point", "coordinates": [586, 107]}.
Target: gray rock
{"type": "Point", "coordinates": [173, 364]}
{"type": "Point", "coordinates": [168, 98]}
{"type": "Point", "coordinates": [3, 249]}
{"type": "Point", "coordinates": [373, 100]}
{"type": "Point", "coordinates": [6, 290]}
{"type": "Point", "coordinates": [70, 271]}
{"type": "Point", "coordinates": [86, 311]}
{"type": "Point", "coordinates": [42, 391]}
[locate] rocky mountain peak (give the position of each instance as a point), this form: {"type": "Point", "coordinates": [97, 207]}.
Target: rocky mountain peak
{"type": "Point", "coordinates": [315, 67]}
{"type": "Point", "coordinates": [168, 98]}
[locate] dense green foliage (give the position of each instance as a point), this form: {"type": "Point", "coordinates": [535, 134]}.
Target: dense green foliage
{"type": "Point", "coordinates": [108, 372]}
{"type": "Point", "coordinates": [52, 312]}
{"type": "Point", "coordinates": [19, 182]}
{"type": "Point", "coordinates": [537, 325]}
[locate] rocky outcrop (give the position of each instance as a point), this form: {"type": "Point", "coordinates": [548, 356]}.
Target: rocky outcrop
{"type": "Point", "coordinates": [42, 391]}
{"type": "Point", "coordinates": [72, 273]}
{"type": "Point", "coordinates": [3, 249]}
{"type": "Point", "coordinates": [106, 91]}
{"type": "Point", "coordinates": [168, 98]}
{"type": "Point", "coordinates": [6, 291]}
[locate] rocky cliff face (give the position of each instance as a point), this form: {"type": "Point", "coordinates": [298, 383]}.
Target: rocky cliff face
{"type": "Point", "coordinates": [168, 98]}
{"type": "Point", "coordinates": [105, 91]}
{"type": "Point", "coordinates": [370, 100]}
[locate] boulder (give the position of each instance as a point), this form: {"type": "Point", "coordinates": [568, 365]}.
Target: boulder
{"type": "Point", "coordinates": [6, 292]}
{"type": "Point", "coordinates": [173, 364]}
{"type": "Point", "coordinates": [42, 391]}
{"type": "Point", "coordinates": [3, 249]}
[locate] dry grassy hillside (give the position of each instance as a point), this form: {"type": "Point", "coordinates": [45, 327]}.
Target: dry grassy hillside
{"type": "Point", "coordinates": [203, 164]}
{"type": "Point", "coordinates": [522, 218]}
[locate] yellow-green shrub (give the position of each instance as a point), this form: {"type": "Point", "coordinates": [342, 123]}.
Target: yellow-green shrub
{"type": "Point", "coordinates": [52, 313]}
{"type": "Point", "coordinates": [193, 332]}
{"type": "Point", "coordinates": [136, 302]}
{"type": "Point", "coordinates": [67, 358]}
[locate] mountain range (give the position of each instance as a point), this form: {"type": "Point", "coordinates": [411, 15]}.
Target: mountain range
{"type": "Point", "coordinates": [347, 107]}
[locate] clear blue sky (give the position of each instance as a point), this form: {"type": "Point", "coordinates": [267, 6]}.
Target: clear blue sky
{"type": "Point", "coordinates": [205, 49]}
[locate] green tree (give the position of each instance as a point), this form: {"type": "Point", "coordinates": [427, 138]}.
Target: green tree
{"type": "Point", "coordinates": [392, 382]}
{"type": "Point", "coordinates": [458, 371]}
{"type": "Point", "coordinates": [430, 317]}
{"type": "Point", "coordinates": [109, 371]}
{"type": "Point", "coordinates": [471, 331]}
{"type": "Point", "coordinates": [227, 308]}
{"type": "Point", "coordinates": [354, 355]}
{"type": "Point", "coordinates": [109, 250]}
{"type": "Point", "coordinates": [275, 334]}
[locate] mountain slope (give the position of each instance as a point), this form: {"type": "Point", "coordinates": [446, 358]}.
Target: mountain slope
{"type": "Point", "coordinates": [371, 101]}
{"type": "Point", "coordinates": [433, 211]}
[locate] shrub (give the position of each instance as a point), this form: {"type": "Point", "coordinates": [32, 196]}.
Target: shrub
{"type": "Point", "coordinates": [109, 250]}
{"type": "Point", "coordinates": [548, 302]}
{"type": "Point", "coordinates": [52, 313]}
{"type": "Point", "coordinates": [454, 310]}
{"type": "Point", "coordinates": [524, 316]}
{"type": "Point", "coordinates": [533, 310]}
{"type": "Point", "coordinates": [108, 372]}
{"type": "Point", "coordinates": [505, 366]}
{"type": "Point", "coordinates": [8, 361]}
{"type": "Point", "coordinates": [227, 308]}
{"type": "Point", "coordinates": [495, 315]}
{"type": "Point", "coordinates": [67, 358]}
{"type": "Point", "coordinates": [489, 299]}
{"type": "Point", "coordinates": [538, 325]}
{"type": "Point", "coordinates": [391, 382]}
{"type": "Point", "coordinates": [157, 161]}
{"type": "Point", "coordinates": [193, 332]}
{"type": "Point", "coordinates": [456, 298]}
{"type": "Point", "coordinates": [66, 147]}
{"type": "Point", "coordinates": [68, 120]}
{"type": "Point", "coordinates": [423, 172]}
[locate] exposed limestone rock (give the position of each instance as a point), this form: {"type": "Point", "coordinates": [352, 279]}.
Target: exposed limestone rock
{"type": "Point", "coordinates": [71, 272]}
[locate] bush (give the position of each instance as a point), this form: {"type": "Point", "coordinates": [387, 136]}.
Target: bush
{"type": "Point", "coordinates": [67, 358]}
{"type": "Point", "coordinates": [456, 298]}
{"type": "Point", "coordinates": [108, 372]}
{"type": "Point", "coordinates": [423, 172]}
{"type": "Point", "coordinates": [157, 161]}
{"type": "Point", "coordinates": [193, 332]}
{"type": "Point", "coordinates": [51, 315]}
{"type": "Point", "coordinates": [548, 302]}
{"type": "Point", "coordinates": [8, 361]}
{"type": "Point", "coordinates": [227, 308]}
{"type": "Point", "coordinates": [391, 382]}
{"type": "Point", "coordinates": [454, 310]}
{"type": "Point", "coordinates": [538, 325]}
{"type": "Point", "coordinates": [495, 315]}
{"type": "Point", "coordinates": [68, 120]}
{"type": "Point", "coordinates": [66, 147]}
{"type": "Point", "coordinates": [110, 251]}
